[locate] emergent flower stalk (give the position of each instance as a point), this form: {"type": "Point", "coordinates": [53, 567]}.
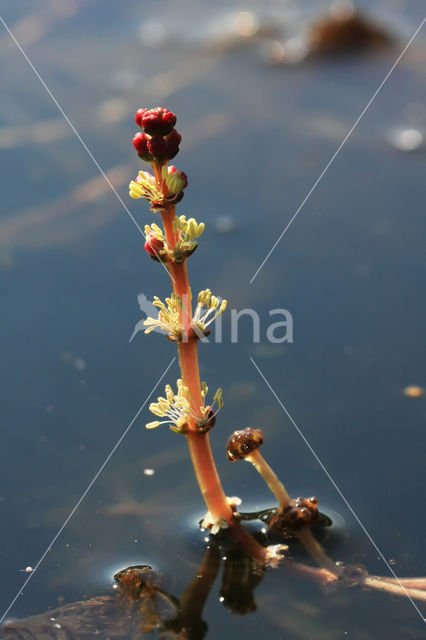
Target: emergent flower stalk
{"type": "Point", "coordinates": [185, 411]}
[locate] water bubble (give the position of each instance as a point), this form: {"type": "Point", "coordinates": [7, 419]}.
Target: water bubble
{"type": "Point", "coordinates": [80, 364]}
{"type": "Point", "coordinates": [224, 224]}
{"type": "Point", "coordinates": [341, 8]}
{"type": "Point", "coordinates": [246, 24]}
{"type": "Point", "coordinates": [153, 33]}
{"type": "Point", "coordinates": [273, 52]}
{"type": "Point", "coordinates": [295, 50]}
{"type": "Point", "coordinates": [406, 139]}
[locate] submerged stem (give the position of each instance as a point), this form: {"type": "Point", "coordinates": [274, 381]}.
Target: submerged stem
{"type": "Point", "coordinates": [383, 584]}
{"type": "Point", "coordinates": [316, 551]}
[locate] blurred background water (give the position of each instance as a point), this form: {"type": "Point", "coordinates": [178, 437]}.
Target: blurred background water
{"type": "Point", "coordinates": [257, 132]}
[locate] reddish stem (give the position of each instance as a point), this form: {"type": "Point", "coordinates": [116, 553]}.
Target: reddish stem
{"type": "Point", "coordinates": [198, 443]}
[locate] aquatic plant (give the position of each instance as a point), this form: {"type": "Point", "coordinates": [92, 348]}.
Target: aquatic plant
{"type": "Point", "coordinates": [187, 409]}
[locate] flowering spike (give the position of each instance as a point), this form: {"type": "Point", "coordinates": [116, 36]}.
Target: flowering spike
{"type": "Point", "coordinates": [184, 410]}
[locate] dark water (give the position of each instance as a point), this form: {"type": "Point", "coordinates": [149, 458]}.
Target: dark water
{"type": "Point", "coordinates": [349, 270]}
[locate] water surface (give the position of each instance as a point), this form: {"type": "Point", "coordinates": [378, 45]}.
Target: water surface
{"type": "Point", "coordinates": [350, 271]}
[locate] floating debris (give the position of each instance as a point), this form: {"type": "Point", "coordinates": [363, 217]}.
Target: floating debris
{"type": "Point", "coordinates": [345, 31]}
{"type": "Point", "coordinates": [28, 570]}
{"type": "Point", "coordinates": [342, 31]}
{"type": "Point", "coordinates": [406, 139]}
{"type": "Point", "coordinates": [148, 472]}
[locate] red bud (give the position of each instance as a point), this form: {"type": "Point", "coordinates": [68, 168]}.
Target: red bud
{"type": "Point", "coordinates": [176, 180]}
{"type": "Point", "coordinates": [153, 245]}
{"type": "Point", "coordinates": [169, 121]}
{"type": "Point", "coordinates": [157, 147]}
{"type": "Point", "coordinates": [140, 143]}
{"type": "Point", "coordinates": [173, 141]}
{"type": "Point", "coordinates": [157, 122]}
{"type": "Point", "coordinates": [139, 116]}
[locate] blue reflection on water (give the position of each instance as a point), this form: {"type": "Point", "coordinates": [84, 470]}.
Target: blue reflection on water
{"type": "Point", "coordinates": [349, 270]}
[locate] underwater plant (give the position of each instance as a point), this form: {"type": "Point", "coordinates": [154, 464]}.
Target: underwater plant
{"type": "Point", "coordinates": [185, 319]}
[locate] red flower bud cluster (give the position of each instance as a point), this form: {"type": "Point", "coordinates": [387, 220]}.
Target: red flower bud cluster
{"type": "Point", "coordinates": [158, 141]}
{"type": "Point", "coordinates": [155, 122]}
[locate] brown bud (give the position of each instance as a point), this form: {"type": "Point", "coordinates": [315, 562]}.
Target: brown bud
{"type": "Point", "coordinates": [203, 425]}
{"type": "Point", "coordinates": [301, 513]}
{"type": "Point", "coordinates": [243, 442]}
